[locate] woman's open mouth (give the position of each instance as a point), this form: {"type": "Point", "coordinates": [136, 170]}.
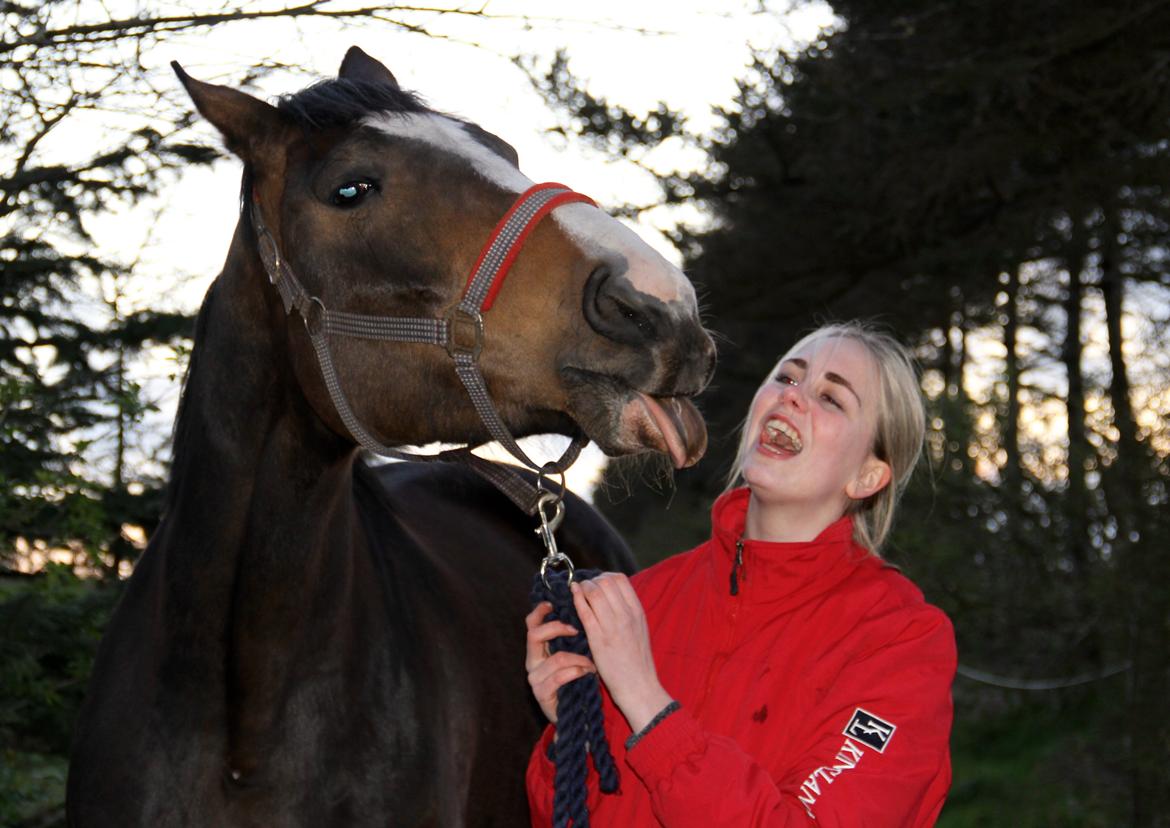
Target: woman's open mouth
{"type": "Point", "coordinates": [781, 436]}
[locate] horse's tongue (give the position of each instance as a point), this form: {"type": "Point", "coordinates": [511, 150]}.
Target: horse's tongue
{"type": "Point", "coordinates": [682, 428]}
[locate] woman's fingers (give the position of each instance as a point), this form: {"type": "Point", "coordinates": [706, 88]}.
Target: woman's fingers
{"type": "Point", "coordinates": [559, 661]}
{"type": "Point", "coordinates": [585, 611]}
{"type": "Point", "coordinates": [552, 674]}
{"type": "Point", "coordinates": [534, 618]}
{"type": "Point", "coordinates": [616, 589]}
{"type": "Point", "coordinates": [539, 634]}
{"type": "Point", "coordinates": [602, 595]}
{"type": "Point", "coordinates": [625, 590]}
{"type": "Point", "coordinates": [613, 609]}
{"type": "Point", "coordinates": [553, 629]}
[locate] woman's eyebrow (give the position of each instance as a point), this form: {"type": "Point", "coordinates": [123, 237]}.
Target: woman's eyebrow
{"type": "Point", "coordinates": [840, 380]}
{"type": "Point", "coordinates": [832, 377]}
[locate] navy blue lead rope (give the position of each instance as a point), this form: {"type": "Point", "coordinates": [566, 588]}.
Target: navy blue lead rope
{"type": "Point", "coordinates": [580, 727]}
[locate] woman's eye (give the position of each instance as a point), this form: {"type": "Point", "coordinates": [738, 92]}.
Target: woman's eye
{"type": "Point", "coordinates": [830, 400]}
{"type": "Point", "coordinates": [352, 193]}
{"type": "Point", "coordinates": [785, 379]}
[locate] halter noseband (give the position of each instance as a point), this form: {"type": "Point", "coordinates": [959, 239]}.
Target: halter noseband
{"type": "Point", "coordinates": [460, 332]}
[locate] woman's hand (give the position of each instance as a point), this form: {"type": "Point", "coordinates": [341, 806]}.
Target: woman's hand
{"type": "Point", "coordinates": [548, 673]}
{"type": "Point", "coordinates": [619, 639]}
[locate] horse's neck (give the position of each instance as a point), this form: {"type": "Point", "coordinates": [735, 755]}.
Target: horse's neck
{"type": "Point", "coordinates": [293, 595]}
{"type": "Point", "coordinates": [250, 456]}
{"type": "Point", "coordinates": [261, 522]}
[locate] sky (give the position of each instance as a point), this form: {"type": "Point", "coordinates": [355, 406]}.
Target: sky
{"type": "Point", "coordinates": [687, 53]}
{"type": "Point", "coordinates": [634, 53]}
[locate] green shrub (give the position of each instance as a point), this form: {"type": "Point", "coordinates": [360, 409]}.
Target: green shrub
{"type": "Point", "coordinates": [52, 623]}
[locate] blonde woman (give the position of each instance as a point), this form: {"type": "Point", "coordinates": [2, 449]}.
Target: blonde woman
{"type": "Point", "coordinates": [781, 673]}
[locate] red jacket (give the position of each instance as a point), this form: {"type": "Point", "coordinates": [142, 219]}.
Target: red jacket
{"type": "Point", "coordinates": [817, 695]}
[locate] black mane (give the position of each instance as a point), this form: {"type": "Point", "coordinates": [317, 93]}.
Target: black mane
{"type": "Point", "coordinates": [181, 436]}
{"type": "Point", "coordinates": [340, 102]}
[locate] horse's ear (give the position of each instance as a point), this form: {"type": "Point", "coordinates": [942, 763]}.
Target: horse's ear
{"type": "Point", "coordinates": [246, 123]}
{"type": "Point", "coordinates": [358, 66]}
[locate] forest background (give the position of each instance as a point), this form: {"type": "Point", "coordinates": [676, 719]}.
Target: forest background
{"type": "Point", "coordinates": [988, 179]}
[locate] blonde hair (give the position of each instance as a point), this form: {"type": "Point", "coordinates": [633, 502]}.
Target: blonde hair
{"type": "Point", "coordinates": [898, 435]}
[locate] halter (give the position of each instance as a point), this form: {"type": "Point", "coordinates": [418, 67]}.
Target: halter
{"type": "Point", "coordinates": [460, 332]}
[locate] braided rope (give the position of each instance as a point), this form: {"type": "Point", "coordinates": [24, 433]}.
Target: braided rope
{"type": "Point", "coordinates": [580, 726]}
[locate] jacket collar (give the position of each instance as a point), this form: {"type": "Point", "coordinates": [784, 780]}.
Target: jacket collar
{"type": "Point", "coordinates": [775, 571]}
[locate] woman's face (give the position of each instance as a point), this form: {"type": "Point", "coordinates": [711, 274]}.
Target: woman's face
{"type": "Point", "coordinates": [811, 428]}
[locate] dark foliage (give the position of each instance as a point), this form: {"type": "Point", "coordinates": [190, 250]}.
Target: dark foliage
{"type": "Point", "coordinates": [52, 624]}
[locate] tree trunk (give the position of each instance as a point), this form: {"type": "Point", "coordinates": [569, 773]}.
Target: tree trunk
{"type": "Point", "coordinates": [1086, 598]}
{"type": "Point", "coordinates": [1076, 500]}
{"type": "Point", "coordinates": [954, 404]}
{"type": "Point", "coordinates": [1146, 574]}
{"type": "Point", "coordinates": [1010, 434]}
{"type": "Point", "coordinates": [1025, 566]}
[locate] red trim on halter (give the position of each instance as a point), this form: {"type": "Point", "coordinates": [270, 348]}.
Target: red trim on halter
{"type": "Point", "coordinates": [554, 202]}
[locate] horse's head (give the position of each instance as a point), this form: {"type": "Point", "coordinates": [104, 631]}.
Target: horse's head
{"type": "Point", "coordinates": [381, 205]}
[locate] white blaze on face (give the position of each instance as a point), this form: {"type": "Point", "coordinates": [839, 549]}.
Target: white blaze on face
{"type": "Point", "coordinates": [448, 135]}
{"type": "Point", "coordinates": [590, 228]}
{"type": "Point", "coordinates": [648, 270]}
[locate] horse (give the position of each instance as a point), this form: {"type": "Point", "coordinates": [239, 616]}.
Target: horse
{"type": "Point", "coordinates": [313, 640]}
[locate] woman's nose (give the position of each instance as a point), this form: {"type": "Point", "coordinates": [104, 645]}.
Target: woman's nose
{"type": "Point", "coordinates": [793, 394]}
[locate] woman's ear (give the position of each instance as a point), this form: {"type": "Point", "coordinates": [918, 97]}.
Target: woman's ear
{"type": "Point", "coordinates": [873, 477]}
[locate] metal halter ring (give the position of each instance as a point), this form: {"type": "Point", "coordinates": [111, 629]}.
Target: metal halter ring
{"type": "Point", "coordinates": [313, 314]}
{"type": "Point", "coordinates": [546, 473]}
{"type": "Point", "coordinates": [559, 559]}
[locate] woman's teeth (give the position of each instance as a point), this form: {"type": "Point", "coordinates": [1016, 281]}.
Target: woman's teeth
{"type": "Point", "coordinates": [781, 435]}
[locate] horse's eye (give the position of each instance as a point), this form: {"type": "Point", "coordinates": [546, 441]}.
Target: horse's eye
{"type": "Point", "coordinates": [352, 193]}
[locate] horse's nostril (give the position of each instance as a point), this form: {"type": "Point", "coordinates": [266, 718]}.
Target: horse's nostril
{"type": "Point", "coordinates": [632, 316]}
{"type": "Point", "coordinates": [615, 310]}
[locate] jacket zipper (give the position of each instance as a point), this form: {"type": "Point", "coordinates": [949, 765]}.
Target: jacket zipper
{"type": "Point", "coordinates": [737, 571]}
{"type": "Point", "coordinates": [722, 653]}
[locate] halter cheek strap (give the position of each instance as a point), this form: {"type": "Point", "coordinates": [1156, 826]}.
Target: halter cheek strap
{"type": "Point", "coordinates": [460, 332]}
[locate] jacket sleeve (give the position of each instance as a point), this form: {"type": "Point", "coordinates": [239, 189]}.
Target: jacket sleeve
{"type": "Point", "coordinates": [873, 751]}
{"type": "Point", "coordinates": [539, 781]}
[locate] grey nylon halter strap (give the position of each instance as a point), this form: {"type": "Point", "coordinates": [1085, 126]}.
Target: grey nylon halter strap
{"type": "Point", "coordinates": [460, 332]}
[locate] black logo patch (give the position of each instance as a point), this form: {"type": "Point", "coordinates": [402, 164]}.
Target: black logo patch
{"type": "Point", "coordinates": [869, 729]}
